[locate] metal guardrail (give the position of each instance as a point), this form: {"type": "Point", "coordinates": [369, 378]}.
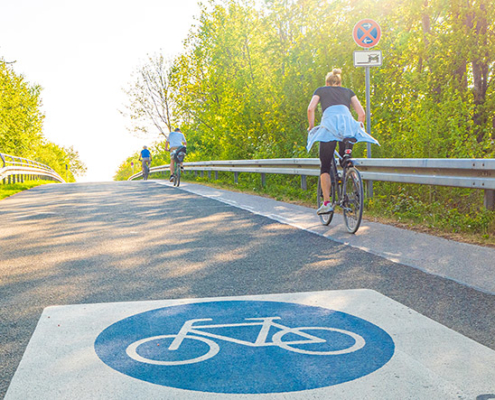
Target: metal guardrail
{"type": "Point", "coordinates": [16, 169]}
{"type": "Point", "coordinates": [462, 173]}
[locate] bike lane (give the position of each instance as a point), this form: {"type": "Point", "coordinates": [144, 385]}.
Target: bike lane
{"type": "Point", "coordinates": [317, 345]}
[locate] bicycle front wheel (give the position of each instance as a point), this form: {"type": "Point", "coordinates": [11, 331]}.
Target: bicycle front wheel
{"type": "Point", "coordinates": [167, 357]}
{"type": "Point", "coordinates": [324, 218]}
{"type": "Point", "coordinates": [353, 200]}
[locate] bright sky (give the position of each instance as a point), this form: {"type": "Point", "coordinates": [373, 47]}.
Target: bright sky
{"type": "Point", "coordinates": [83, 54]}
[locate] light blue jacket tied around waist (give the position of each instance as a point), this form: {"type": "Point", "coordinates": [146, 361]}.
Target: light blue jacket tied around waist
{"type": "Point", "coordinates": [337, 124]}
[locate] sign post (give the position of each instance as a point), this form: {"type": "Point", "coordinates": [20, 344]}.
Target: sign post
{"type": "Point", "coordinates": [366, 34]}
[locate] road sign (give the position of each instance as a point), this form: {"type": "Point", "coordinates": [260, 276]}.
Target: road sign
{"type": "Point", "coordinates": [369, 58]}
{"type": "Point", "coordinates": [366, 33]}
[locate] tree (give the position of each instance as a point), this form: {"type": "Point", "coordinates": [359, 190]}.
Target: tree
{"type": "Point", "coordinates": [247, 72]}
{"type": "Point", "coordinates": [21, 125]}
{"type": "Point", "coordinates": [150, 103]}
{"type": "Point", "coordinates": [76, 166]}
{"type": "Point", "coordinates": [20, 117]}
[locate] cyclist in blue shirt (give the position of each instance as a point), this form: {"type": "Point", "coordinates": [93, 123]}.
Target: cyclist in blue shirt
{"type": "Point", "coordinates": [145, 157]}
{"type": "Point", "coordinates": [175, 140]}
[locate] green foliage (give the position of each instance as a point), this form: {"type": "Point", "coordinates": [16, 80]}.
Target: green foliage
{"type": "Point", "coordinates": [242, 84]}
{"type": "Point", "coordinates": [20, 116]}
{"type": "Point", "coordinates": [21, 124]}
{"type": "Point", "coordinates": [128, 168]}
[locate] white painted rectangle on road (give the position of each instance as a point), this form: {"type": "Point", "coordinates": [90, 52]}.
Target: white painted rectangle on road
{"type": "Point", "coordinates": [351, 344]}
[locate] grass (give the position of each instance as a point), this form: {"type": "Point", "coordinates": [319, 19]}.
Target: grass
{"type": "Point", "coordinates": [9, 190]}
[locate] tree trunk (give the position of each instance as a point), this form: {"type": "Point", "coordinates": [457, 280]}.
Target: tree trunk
{"type": "Point", "coordinates": [476, 21]}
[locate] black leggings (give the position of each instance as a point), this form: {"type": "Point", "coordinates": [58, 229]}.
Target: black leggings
{"type": "Point", "coordinates": [326, 155]}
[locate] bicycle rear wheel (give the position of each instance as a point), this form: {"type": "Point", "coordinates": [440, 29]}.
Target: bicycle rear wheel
{"type": "Point", "coordinates": [177, 174]}
{"type": "Point", "coordinates": [353, 199]}
{"type": "Point", "coordinates": [325, 218]}
{"type": "Point", "coordinates": [146, 172]}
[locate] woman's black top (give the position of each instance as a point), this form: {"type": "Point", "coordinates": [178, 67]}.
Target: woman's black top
{"type": "Point", "coordinates": [334, 96]}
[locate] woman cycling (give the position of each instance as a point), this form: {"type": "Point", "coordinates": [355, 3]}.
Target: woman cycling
{"type": "Point", "coordinates": [336, 124]}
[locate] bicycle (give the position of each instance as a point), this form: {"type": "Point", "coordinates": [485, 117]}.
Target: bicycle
{"type": "Point", "coordinates": [194, 332]}
{"type": "Point", "coordinates": [346, 190]}
{"type": "Point", "coordinates": [178, 157]}
{"type": "Point", "coordinates": [146, 170]}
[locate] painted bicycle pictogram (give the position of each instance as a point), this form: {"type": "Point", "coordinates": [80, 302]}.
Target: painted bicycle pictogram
{"type": "Point", "coordinates": [244, 346]}
{"type": "Point", "coordinates": [191, 331]}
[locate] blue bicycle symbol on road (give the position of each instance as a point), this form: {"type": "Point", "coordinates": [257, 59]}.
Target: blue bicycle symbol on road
{"type": "Point", "coordinates": [248, 347]}
{"type": "Point", "coordinates": [188, 331]}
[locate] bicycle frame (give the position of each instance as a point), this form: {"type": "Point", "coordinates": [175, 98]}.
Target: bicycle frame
{"type": "Point", "coordinates": [145, 169]}
{"type": "Point", "coordinates": [177, 163]}
{"type": "Point", "coordinates": [195, 332]}
{"type": "Point", "coordinates": [346, 192]}
{"type": "Point", "coordinates": [337, 182]}
{"type": "Point", "coordinates": [266, 323]}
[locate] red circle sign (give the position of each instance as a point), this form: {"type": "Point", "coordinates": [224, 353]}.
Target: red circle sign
{"type": "Point", "coordinates": [367, 33]}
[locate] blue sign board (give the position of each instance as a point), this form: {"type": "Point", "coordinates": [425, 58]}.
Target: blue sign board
{"type": "Point", "coordinates": [249, 347]}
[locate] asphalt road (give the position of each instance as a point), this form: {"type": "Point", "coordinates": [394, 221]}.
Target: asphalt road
{"type": "Point", "coordinates": [133, 241]}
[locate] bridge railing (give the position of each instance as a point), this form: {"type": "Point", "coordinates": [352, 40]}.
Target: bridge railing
{"type": "Point", "coordinates": [15, 169]}
{"type": "Point", "coordinates": [462, 173]}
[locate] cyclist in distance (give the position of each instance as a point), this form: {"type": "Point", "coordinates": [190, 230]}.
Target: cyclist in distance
{"type": "Point", "coordinates": [145, 158]}
{"type": "Point", "coordinates": [336, 124]}
{"type": "Point", "coordinates": [175, 140]}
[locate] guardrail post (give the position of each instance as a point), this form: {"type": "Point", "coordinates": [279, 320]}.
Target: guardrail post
{"type": "Point", "coordinates": [263, 179]}
{"type": "Point", "coordinates": [236, 177]}
{"type": "Point", "coordinates": [489, 199]}
{"type": "Point", "coordinates": [304, 184]}
{"type": "Point", "coordinates": [216, 175]}
{"type": "Point", "coordinates": [369, 191]}
{"type": "Point", "coordinates": [209, 175]}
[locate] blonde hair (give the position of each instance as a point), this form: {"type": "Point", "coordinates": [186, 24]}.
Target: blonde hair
{"type": "Point", "coordinates": [334, 78]}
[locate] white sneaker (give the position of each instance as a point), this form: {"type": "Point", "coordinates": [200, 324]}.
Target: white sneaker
{"type": "Point", "coordinates": [325, 209]}
{"type": "Point", "coordinates": [172, 178]}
